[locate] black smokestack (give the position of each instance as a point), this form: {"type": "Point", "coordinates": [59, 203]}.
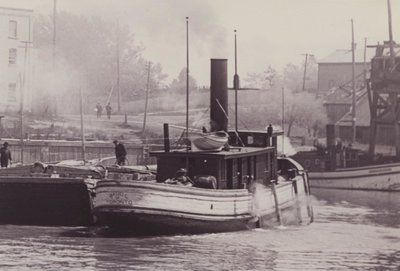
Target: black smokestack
{"type": "Point", "coordinates": [219, 95]}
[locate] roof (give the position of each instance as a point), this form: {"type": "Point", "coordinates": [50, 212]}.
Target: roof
{"type": "Point", "coordinates": [362, 114]}
{"type": "Point", "coordinates": [339, 95]}
{"type": "Point", "coordinates": [344, 56]}
{"type": "Point", "coordinates": [16, 9]}
{"type": "Point", "coordinates": [233, 153]}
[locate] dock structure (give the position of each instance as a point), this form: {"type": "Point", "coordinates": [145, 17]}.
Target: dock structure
{"type": "Point", "coordinates": [384, 94]}
{"type": "Point", "coordinates": [384, 89]}
{"type": "Point", "coordinates": [59, 150]}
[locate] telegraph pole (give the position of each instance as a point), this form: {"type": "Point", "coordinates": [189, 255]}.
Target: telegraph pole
{"type": "Point", "coordinates": [118, 89]}
{"type": "Point", "coordinates": [353, 85]}
{"type": "Point", "coordinates": [54, 95]}
{"type": "Point", "coordinates": [54, 31]}
{"type": "Point", "coordinates": [305, 72]}
{"type": "Point", "coordinates": [22, 81]}
{"type": "Point", "coordinates": [147, 98]}
{"type": "Point", "coordinates": [82, 126]}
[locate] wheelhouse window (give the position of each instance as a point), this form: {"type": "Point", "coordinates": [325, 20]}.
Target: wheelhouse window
{"type": "Point", "coordinates": [12, 56]}
{"type": "Point", "coordinates": [12, 29]}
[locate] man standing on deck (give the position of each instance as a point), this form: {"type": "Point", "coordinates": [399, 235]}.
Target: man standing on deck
{"type": "Point", "coordinates": [5, 155]}
{"type": "Point", "coordinates": [120, 153]}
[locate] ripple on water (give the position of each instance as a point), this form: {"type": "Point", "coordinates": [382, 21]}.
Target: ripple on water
{"type": "Point", "coordinates": [347, 235]}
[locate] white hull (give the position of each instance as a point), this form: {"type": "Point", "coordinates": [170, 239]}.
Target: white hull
{"type": "Point", "coordinates": [379, 177]}
{"type": "Point", "coordinates": [146, 206]}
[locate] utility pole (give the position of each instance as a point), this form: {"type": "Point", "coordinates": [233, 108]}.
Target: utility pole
{"type": "Point", "coordinates": [365, 61]}
{"type": "Point", "coordinates": [392, 54]}
{"type": "Point", "coordinates": [82, 125]}
{"type": "Point", "coordinates": [54, 95]}
{"type": "Point", "coordinates": [54, 31]}
{"type": "Point", "coordinates": [353, 85]}
{"type": "Point", "coordinates": [147, 98]}
{"type": "Point", "coordinates": [22, 81]}
{"type": "Point", "coordinates": [305, 72]}
{"type": "Point", "coordinates": [118, 89]}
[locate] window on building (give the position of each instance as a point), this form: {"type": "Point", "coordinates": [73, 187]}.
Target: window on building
{"type": "Point", "coordinates": [12, 56]}
{"type": "Point", "coordinates": [12, 30]}
{"type": "Point", "coordinates": [12, 92]}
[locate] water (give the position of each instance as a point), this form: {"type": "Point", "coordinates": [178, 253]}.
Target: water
{"type": "Point", "coordinates": [352, 231]}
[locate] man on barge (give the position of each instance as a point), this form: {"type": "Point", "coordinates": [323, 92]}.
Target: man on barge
{"type": "Point", "coordinates": [5, 155]}
{"type": "Point", "coordinates": [120, 153]}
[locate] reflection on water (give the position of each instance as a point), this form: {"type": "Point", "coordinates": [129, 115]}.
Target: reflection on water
{"type": "Point", "coordinates": [352, 231]}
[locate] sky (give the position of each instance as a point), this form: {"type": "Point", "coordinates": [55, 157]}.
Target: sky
{"type": "Point", "coordinates": [269, 32]}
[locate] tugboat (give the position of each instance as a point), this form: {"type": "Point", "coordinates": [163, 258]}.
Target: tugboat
{"type": "Point", "coordinates": [240, 187]}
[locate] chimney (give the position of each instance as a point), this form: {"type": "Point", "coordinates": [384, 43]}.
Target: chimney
{"type": "Point", "coordinates": [219, 95]}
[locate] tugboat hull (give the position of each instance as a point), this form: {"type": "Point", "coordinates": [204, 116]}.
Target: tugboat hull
{"type": "Point", "coordinates": [155, 208]}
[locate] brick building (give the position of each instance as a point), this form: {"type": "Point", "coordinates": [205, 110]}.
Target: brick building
{"type": "Point", "coordinates": [15, 58]}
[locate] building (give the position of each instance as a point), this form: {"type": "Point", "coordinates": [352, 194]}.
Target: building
{"type": "Point", "coordinates": [335, 86]}
{"type": "Point", "coordinates": [335, 70]}
{"type": "Point", "coordinates": [15, 58]}
{"type": "Point", "coordinates": [335, 80]}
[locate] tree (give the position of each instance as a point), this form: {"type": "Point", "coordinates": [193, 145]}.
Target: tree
{"type": "Point", "coordinates": [266, 80]}
{"type": "Point", "coordinates": [178, 85]}
{"type": "Point", "coordinates": [304, 110]}
{"type": "Point", "coordinates": [292, 77]}
{"type": "Point", "coordinates": [89, 46]}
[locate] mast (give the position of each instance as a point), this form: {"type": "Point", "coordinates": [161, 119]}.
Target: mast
{"type": "Point", "coordinates": [187, 91]}
{"type": "Point", "coordinates": [283, 119]}
{"type": "Point", "coordinates": [21, 103]}
{"type": "Point", "coordinates": [236, 86]}
{"type": "Point", "coordinates": [187, 78]}
{"type": "Point", "coordinates": [353, 101]}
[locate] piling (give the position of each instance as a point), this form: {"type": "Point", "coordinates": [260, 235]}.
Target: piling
{"type": "Point", "coordinates": [277, 210]}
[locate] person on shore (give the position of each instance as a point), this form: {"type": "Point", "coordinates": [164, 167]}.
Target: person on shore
{"type": "Point", "coordinates": [120, 153]}
{"type": "Point", "coordinates": [108, 110]}
{"type": "Point", "coordinates": [99, 110]}
{"type": "Point", "coordinates": [5, 155]}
